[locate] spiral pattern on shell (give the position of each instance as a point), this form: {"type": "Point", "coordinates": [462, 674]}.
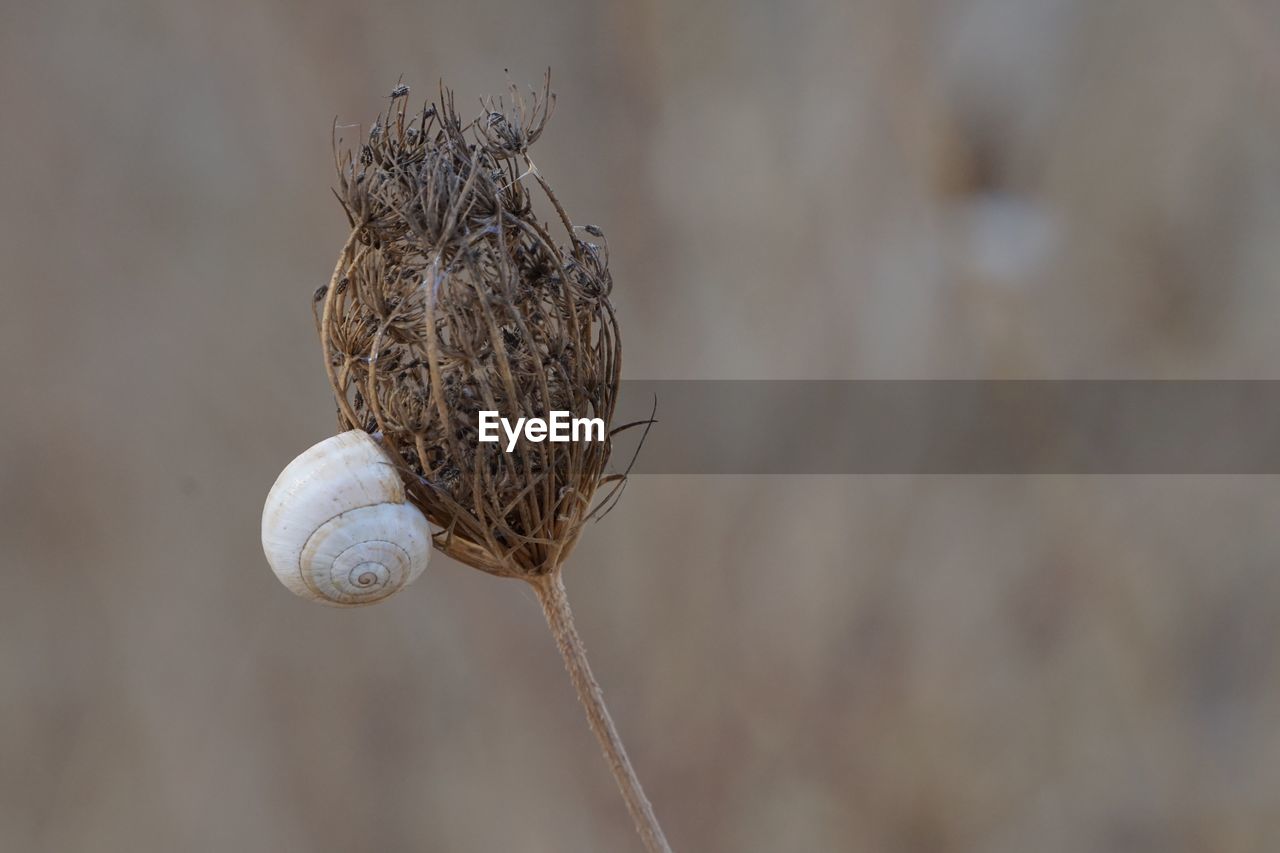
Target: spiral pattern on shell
{"type": "Point", "coordinates": [337, 527]}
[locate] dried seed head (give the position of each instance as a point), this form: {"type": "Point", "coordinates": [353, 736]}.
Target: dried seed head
{"type": "Point", "coordinates": [456, 298]}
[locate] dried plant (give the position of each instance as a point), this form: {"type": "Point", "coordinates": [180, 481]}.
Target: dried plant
{"type": "Point", "coordinates": [452, 296]}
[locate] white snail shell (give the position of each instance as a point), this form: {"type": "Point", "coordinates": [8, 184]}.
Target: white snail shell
{"type": "Point", "coordinates": [337, 527]}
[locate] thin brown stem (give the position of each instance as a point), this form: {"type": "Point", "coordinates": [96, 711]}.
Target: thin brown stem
{"type": "Point", "coordinates": [555, 605]}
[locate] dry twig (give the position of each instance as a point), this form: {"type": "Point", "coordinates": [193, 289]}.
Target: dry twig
{"type": "Point", "coordinates": [452, 296]}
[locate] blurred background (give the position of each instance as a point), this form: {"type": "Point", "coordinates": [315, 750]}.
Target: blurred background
{"type": "Point", "coordinates": [837, 190]}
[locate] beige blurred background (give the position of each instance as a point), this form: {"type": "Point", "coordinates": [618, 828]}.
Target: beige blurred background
{"type": "Point", "coordinates": [975, 188]}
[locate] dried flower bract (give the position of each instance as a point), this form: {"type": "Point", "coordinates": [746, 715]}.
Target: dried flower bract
{"type": "Point", "coordinates": [452, 296]}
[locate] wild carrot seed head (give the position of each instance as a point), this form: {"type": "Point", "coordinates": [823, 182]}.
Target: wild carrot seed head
{"type": "Point", "coordinates": [452, 296]}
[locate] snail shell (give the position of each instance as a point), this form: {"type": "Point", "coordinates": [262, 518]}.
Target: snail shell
{"type": "Point", "coordinates": [337, 527]}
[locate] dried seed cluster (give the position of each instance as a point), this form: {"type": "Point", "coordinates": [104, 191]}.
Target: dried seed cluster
{"type": "Point", "coordinates": [451, 296]}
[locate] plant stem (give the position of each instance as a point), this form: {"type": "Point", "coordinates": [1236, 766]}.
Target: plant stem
{"type": "Point", "coordinates": [555, 606]}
